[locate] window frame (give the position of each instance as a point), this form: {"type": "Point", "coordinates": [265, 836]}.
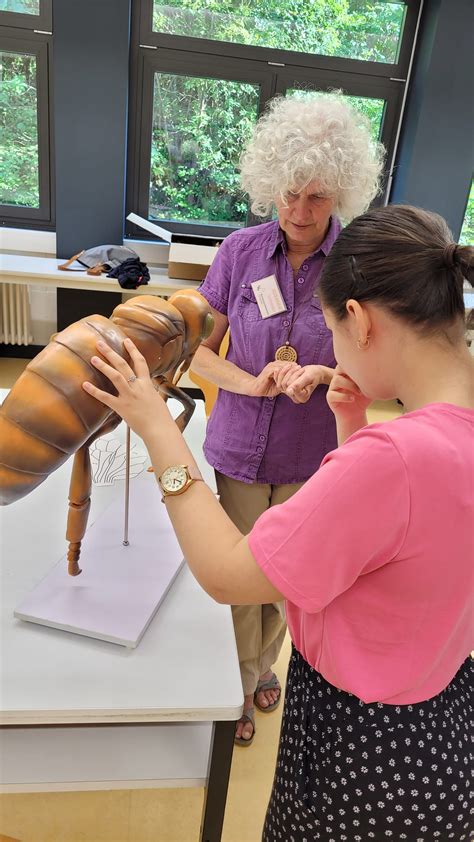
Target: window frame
{"type": "Point", "coordinates": [269, 54]}
{"type": "Point", "coordinates": [22, 20]}
{"type": "Point", "coordinates": [276, 69]}
{"type": "Point", "coordinates": [39, 45]}
{"type": "Point", "coordinates": [140, 162]}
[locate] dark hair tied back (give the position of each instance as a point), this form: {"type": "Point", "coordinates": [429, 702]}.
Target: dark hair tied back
{"type": "Point", "coordinates": [404, 259]}
{"type": "Point", "coordinates": [449, 255]}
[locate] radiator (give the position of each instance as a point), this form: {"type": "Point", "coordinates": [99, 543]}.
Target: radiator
{"type": "Point", "coordinates": [15, 316]}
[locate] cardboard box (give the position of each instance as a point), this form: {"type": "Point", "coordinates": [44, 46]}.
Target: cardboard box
{"type": "Point", "coordinates": [190, 262]}
{"type": "Point", "coordinates": [187, 261]}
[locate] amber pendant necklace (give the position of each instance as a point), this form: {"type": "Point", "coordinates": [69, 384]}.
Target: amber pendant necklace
{"type": "Point", "coordinates": [286, 353]}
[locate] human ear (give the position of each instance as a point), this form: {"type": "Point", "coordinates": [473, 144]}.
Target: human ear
{"type": "Point", "coordinates": [359, 320]}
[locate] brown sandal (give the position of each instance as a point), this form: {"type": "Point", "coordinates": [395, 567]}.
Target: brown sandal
{"type": "Point", "coordinates": [247, 716]}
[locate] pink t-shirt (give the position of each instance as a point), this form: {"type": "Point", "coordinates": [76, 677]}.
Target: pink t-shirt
{"type": "Point", "coordinates": [375, 557]}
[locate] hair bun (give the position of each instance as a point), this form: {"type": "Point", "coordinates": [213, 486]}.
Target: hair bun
{"type": "Point", "coordinates": [449, 256]}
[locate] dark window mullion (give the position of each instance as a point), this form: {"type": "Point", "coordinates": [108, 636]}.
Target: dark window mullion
{"type": "Point", "coordinates": [43, 132]}
{"type": "Point", "coordinates": [184, 64]}
{"type": "Point", "coordinates": [407, 42]}
{"type": "Point", "coordinates": [145, 135]}
{"type": "Point", "coordinates": [270, 54]}
{"type": "Point", "coordinates": [134, 115]}
{"type": "Point", "coordinates": [359, 84]}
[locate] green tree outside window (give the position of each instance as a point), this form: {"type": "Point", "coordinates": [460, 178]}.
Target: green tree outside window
{"type": "Point", "coordinates": [23, 7]}
{"type": "Point", "coordinates": [369, 30]}
{"type": "Point", "coordinates": [200, 128]}
{"type": "Point", "coordinates": [19, 183]}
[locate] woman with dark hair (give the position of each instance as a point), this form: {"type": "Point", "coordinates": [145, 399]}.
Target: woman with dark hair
{"type": "Point", "coordinates": [374, 554]}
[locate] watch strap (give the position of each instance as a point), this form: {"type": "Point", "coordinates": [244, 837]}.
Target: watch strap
{"type": "Point", "coordinates": [194, 473]}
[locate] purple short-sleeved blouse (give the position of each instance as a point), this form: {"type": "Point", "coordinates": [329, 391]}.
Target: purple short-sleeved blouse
{"type": "Point", "coordinates": [269, 440]}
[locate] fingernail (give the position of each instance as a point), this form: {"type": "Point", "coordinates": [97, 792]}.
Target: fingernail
{"type": "Point", "coordinates": [95, 360]}
{"type": "Point", "coordinates": [101, 345]}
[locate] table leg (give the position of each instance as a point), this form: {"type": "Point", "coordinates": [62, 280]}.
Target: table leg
{"type": "Point", "coordinates": [215, 795]}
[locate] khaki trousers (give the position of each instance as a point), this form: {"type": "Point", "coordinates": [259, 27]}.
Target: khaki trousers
{"type": "Point", "coordinates": [259, 629]}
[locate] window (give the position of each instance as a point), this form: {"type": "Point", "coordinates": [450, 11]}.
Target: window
{"type": "Point", "coordinates": [19, 114]}
{"type": "Point", "coordinates": [25, 188]}
{"type": "Point", "coordinates": [360, 29]}
{"type": "Point", "coordinates": [199, 128]}
{"type": "Point", "coordinates": [23, 7]}
{"type": "Point", "coordinates": [26, 14]}
{"type": "Point", "coordinates": [466, 237]}
{"type": "Point", "coordinates": [202, 73]}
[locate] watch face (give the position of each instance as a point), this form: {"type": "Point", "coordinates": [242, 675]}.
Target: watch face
{"type": "Point", "coordinates": [173, 479]}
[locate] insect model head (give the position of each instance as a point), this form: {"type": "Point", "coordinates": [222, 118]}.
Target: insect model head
{"type": "Point", "coordinates": [197, 317]}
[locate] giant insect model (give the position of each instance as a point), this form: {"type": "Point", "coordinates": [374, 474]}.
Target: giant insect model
{"type": "Point", "coordinates": [48, 416]}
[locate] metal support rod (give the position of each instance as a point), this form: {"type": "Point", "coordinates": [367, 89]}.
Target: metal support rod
{"type": "Point", "coordinates": [127, 488]}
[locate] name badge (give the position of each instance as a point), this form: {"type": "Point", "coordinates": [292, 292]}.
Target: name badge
{"type": "Point", "coordinates": [268, 295]}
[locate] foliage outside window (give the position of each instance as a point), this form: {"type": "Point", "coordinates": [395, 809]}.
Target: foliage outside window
{"type": "Point", "coordinates": [359, 29]}
{"type": "Point", "coordinates": [19, 130]}
{"type": "Point", "coordinates": [23, 7]}
{"type": "Point", "coordinates": [216, 65]}
{"type": "Point", "coordinates": [467, 232]}
{"type": "Point", "coordinates": [370, 107]}
{"type": "Point", "coordinates": [199, 129]}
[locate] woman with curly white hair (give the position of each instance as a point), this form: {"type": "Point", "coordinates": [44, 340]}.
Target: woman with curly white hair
{"type": "Point", "coordinates": [312, 159]}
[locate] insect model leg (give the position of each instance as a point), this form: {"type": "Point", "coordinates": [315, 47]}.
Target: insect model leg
{"type": "Point", "coordinates": [80, 496]}
{"type": "Point", "coordinates": [168, 390]}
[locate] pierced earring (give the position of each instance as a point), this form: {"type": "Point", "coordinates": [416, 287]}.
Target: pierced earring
{"type": "Point", "coordinates": [362, 344]}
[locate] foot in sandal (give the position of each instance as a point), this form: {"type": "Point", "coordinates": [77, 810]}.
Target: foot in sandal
{"type": "Point", "coordinates": [268, 693]}
{"type": "Point", "coordinates": [245, 728]}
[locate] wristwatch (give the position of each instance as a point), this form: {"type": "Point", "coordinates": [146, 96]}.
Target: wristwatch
{"type": "Point", "coordinates": [176, 479]}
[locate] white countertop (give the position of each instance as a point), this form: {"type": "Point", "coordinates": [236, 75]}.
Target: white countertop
{"type": "Point", "coordinates": [25, 269]}
{"type": "Point", "coordinates": [185, 667]}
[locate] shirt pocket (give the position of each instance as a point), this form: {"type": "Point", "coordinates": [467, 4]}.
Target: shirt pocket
{"type": "Point", "coordinates": [248, 309]}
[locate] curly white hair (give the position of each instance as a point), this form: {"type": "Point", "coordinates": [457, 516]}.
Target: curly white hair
{"type": "Point", "coordinates": [323, 138]}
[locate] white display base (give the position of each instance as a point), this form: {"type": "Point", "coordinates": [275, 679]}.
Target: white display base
{"type": "Point", "coordinates": [120, 588]}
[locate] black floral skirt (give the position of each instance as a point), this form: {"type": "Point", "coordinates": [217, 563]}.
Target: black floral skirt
{"type": "Point", "coordinates": [351, 772]}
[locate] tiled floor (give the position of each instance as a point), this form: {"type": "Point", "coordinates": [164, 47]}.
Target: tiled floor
{"type": "Point", "coordinates": [169, 815]}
